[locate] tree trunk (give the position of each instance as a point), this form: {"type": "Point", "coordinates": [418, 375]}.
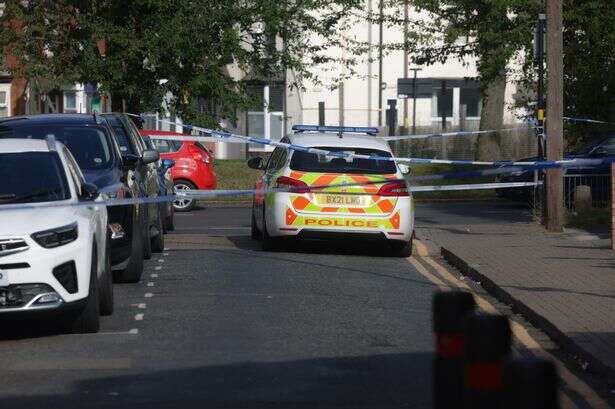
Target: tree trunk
{"type": "Point", "coordinates": [492, 117]}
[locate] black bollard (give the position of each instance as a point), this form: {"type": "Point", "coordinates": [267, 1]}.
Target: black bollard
{"type": "Point", "coordinates": [488, 345]}
{"type": "Point", "coordinates": [530, 383]}
{"type": "Point", "coordinates": [449, 310]}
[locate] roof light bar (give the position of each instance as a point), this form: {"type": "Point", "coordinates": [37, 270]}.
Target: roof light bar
{"type": "Point", "coordinates": [343, 129]}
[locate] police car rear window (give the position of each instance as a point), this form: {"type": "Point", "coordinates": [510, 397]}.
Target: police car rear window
{"type": "Point", "coordinates": [311, 162]}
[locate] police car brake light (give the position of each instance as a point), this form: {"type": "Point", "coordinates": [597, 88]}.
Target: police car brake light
{"type": "Point", "coordinates": [294, 185]}
{"type": "Point", "coordinates": [397, 188]}
{"type": "Point", "coordinates": [344, 129]}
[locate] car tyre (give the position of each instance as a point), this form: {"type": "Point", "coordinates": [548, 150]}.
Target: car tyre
{"type": "Point", "coordinates": [147, 240]}
{"type": "Point", "coordinates": [183, 205]}
{"type": "Point", "coordinates": [87, 320]}
{"type": "Point", "coordinates": [133, 271]}
{"type": "Point", "coordinates": [255, 233]}
{"type": "Point", "coordinates": [106, 287]}
{"type": "Point", "coordinates": [402, 248]}
{"type": "Point", "coordinates": [157, 242]}
{"type": "Point", "coordinates": [169, 222]}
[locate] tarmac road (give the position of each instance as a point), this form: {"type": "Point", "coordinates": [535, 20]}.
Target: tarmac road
{"type": "Point", "coordinates": [218, 323]}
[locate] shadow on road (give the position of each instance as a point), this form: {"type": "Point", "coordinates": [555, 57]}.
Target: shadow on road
{"type": "Point", "coordinates": [325, 247]}
{"type": "Point", "coordinates": [374, 381]}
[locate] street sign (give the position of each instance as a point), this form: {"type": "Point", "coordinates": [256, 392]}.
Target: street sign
{"type": "Point", "coordinates": [424, 87]}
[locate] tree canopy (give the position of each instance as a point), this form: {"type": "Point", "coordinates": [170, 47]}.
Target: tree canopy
{"type": "Point", "coordinates": [186, 49]}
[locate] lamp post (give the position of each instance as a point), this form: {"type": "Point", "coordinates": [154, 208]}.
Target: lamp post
{"type": "Point", "coordinates": [415, 70]}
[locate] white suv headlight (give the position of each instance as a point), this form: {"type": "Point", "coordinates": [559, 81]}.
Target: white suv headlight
{"type": "Point", "coordinates": [57, 237]}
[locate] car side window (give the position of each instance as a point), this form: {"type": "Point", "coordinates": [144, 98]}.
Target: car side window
{"type": "Point", "coordinates": [277, 159]}
{"type": "Point", "coordinates": [74, 170]}
{"type": "Point", "coordinates": [132, 128]}
{"type": "Point", "coordinates": [133, 134]}
{"type": "Point", "coordinates": [162, 146]}
{"type": "Point", "coordinates": [609, 145]}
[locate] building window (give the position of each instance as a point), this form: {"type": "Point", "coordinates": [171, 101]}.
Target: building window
{"type": "Point", "coordinates": [276, 98]}
{"type": "Point", "coordinates": [4, 106]}
{"type": "Point", "coordinates": [471, 98]}
{"type": "Point", "coordinates": [443, 103]}
{"type": "Point", "coordinates": [70, 102]}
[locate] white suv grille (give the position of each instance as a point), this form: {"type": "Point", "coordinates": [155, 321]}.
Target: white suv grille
{"type": "Point", "coordinates": [12, 246]}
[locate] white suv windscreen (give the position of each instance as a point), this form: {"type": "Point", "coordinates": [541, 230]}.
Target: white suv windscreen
{"type": "Point", "coordinates": [30, 177]}
{"type": "Point", "coordinates": [311, 162]}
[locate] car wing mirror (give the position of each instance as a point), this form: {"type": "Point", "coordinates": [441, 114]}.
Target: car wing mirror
{"type": "Point", "coordinates": [150, 156]}
{"type": "Point", "coordinates": [130, 161]}
{"type": "Point", "coordinates": [256, 163]}
{"type": "Point", "coordinates": [89, 192]}
{"type": "Point", "coordinates": [404, 169]}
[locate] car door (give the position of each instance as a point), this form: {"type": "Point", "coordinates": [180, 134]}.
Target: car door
{"type": "Point", "coordinates": [148, 172]}
{"type": "Point", "coordinates": [276, 162]}
{"type": "Point", "coordinates": [96, 214]}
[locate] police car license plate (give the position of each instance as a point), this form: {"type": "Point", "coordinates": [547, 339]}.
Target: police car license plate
{"type": "Point", "coordinates": [342, 200]}
{"type": "Point", "coordinates": [4, 278]}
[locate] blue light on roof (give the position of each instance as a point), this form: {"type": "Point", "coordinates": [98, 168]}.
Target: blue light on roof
{"type": "Point", "coordinates": [343, 129]}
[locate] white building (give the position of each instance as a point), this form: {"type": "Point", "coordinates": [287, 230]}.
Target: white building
{"type": "Point", "coordinates": [360, 102]}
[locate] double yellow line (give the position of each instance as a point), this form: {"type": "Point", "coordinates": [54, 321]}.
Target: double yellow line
{"type": "Point", "coordinates": [445, 280]}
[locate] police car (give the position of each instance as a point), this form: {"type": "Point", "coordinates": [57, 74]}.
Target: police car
{"type": "Point", "coordinates": [333, 196]}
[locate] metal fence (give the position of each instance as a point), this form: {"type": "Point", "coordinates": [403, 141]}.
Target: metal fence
{"type": "Point", "coordinates": [516, 143]}
{"type": "Point", "coordinates": [599, 186]}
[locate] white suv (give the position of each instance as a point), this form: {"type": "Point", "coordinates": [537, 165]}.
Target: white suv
{"type": "Point", "coordinates": [53, 257]}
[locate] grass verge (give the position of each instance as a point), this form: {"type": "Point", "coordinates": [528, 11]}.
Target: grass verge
{"type": "Point", "coordinates": [233, 174]}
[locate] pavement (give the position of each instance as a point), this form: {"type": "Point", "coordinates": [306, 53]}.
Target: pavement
{"type": "Point", "coordinates": [218, 323]}
{"type": "Point", "coordinates": [564, 283]}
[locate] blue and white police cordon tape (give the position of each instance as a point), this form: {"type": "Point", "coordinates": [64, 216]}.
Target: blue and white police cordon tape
{"type": "Point", "coordinates": [585, 120]}
{"type": "Point", "coordinates": [447, 134]}
{"type": "Point", "coordinates": [210, 194]}
{"type": "Point", "coordinates": [226, 136]}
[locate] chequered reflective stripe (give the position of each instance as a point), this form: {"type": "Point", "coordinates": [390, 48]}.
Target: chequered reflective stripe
{"type": "Point", "coordinates": [308, 203]}
{"type": "Point", "coordinates": [326, 221]}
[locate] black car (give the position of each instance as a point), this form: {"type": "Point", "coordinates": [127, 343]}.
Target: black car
{"type": "Point", "coordinates": [166, 187]}
{"type": "Point", "coordinates": [91, 141]}
{"type": "Point", "coordinates": [145, 175]}
{"type": "Point", "coordinates": [601, 149]}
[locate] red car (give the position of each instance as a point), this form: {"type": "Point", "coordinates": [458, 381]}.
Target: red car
{"type": "Point", "coordinates": [194, 164]}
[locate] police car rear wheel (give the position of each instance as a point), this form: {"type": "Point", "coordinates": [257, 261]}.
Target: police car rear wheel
{"type": "Point", "coordinates": [255, 234]}
{"type": "Point", "coordinates": [401, 248]}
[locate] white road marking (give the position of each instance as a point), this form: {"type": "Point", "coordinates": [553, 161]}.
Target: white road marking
{"type": "Point", "coordinates": [140, 306]}
{"type": "Point", "coordinates": [102, 333]}
{"type": "Point", "coordinates": [139, 317]}
{"type": "Point", "coordinates": [150, 284]}
{"type": "Point", "coordinates": [149, 295]}
{"type": "Point", "coordinates": [161, 260]}
{"type": "Point", "coordinates": [154, 275]}
{"type": "Point", "coordinates": [166, 249]}
{"type": "Point", "coordinates": [134, 331]}
{"type": "Point", "coordinates": [158, 268]}
{"type": "Point", "coordinates": [165, 254]}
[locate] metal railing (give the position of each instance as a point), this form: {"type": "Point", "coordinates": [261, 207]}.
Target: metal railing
{"type": "Point", "coordinates": [599, 186]}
